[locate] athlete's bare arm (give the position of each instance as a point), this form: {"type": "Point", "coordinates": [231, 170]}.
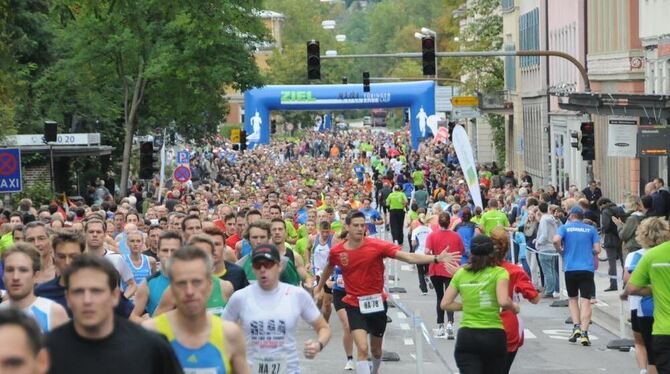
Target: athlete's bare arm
{"type": "Point", "coordinates": [302, 271]}
{"type": "Point", "coordinates": [58, 315]}
{"type": "Point", "coordinates": [323, 331]}
{"type": "Point", "coordinates": [131, 289]}
{"type": "Point", "coordinates": [420, 259]}
{"type": "Point", "coordinates": [229, 255]}
{"type": "Point", "coordinates": [166, 304]}
{"type": "Point", "coordinates": [227, 289]}
{"type": "Point", "coordinates": [141, 299]}
{"type": "Point", "coordinates": [236, 348]}
{"type": "Point", "coordinates": [152, 265]}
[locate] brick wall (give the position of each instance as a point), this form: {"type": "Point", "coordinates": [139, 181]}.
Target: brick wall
{"type": "Point", "coordinates": [34, 173]}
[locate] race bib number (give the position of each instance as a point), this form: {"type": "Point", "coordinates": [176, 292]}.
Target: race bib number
{"type": "Point", "coordinates": [371, 304]}
{"type": "Point", "coordinates": [339, 281]}
{"type": "Point", "coordinates": [200, 371]}
{"type": "Point", "coordinates": [269, 365]}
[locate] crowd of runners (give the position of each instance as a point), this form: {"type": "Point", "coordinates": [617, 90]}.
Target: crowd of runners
{"type": "Point", "coordinates": [216, 276]}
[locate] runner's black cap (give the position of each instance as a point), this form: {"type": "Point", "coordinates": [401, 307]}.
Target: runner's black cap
{"type": "Point", "coordinates": [266, 252]}
{"type": "Point", "coordinates": [481, 245]}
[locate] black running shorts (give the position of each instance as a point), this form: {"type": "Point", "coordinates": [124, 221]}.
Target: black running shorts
{"type": "Point", "coordinates": [580, 283]}
{"type": "Point", "coordinates": [373, 323]}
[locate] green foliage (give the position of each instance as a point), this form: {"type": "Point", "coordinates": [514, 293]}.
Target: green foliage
{"type": "Point", "coordinates": [39, 192]}
{"type": "Point", "coordinates": [382, 27]}
{"type": "Point", "coordinates": [483, 33]}
{"type": "Point", "coordinates": [485, 75]}
{"type": "Point", "coordinates": [225, 130]}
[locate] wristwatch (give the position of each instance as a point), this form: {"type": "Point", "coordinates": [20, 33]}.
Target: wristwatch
{"type": "Point", "coordinates": [435, 260]}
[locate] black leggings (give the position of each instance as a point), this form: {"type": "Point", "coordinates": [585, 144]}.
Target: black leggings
{"type": "Point", "coordinates": [480, 351]}
{"type": "Point", "coordinates": [422, 270]}
{"type": "Point", "coordinates": [440, 284]}
{"type": "Point", "coordinates": [509, 360]}
{"type": "Point", "coordinates": [397, 218]}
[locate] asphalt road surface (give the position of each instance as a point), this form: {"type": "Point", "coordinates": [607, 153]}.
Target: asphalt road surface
{"type": "Point", "coordinates": [546, 349]}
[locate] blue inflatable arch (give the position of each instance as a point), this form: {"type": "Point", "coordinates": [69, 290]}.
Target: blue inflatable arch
{"type": "Point", "coordinates": [419, 97]}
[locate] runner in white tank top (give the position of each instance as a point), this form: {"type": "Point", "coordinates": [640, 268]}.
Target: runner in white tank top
{"type": "Point", "coordinates": [268, 312]}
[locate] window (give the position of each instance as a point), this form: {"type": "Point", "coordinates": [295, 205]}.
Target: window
{"type": "Point", "coordinates": [529, 34]}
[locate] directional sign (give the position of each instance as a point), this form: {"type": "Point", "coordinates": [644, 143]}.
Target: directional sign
{"type": "Point", "coordinates": [235, 136]}
{"type": "Point", "coordinates": [464, 101]}
{"type": "Point", "coordinates": [465, 112]}
{"type": "Point", "coordinates": [183, 157]}
{"type": "Point", "coordinates": [10, 170]}
{"type": "Point", "coordinates": [182, 174]}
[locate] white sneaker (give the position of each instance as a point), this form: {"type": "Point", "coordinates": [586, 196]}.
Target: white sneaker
{"type": "Point", "coordinates": [556, 295]}
{"type": "Point", "coordinates": [450, 331]}
{"type": "Point", "coordinates": [349, 366]}
{"type": "Point", "coordinates": [424, 293]}
{"type": "Point", "coordinates": [440, 333]}
{"type": "Point", "coordinates": [428, 281]}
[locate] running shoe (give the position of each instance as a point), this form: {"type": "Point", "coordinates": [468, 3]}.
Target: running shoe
{"type": "Point", "coordinates": [428, 281]}
{"type": "Point", "coordinates": [450, 331]}
{"type": "Point", "coordinates": [424, 293]}
{"type": "Point", "coordinates": [440, 333]}
{"type": "Point", "coordinates": [576, 334]}
{"type": "Point", "coordinates": [349, 366]}
{"type": "Point", "coordinates": [584, 340]}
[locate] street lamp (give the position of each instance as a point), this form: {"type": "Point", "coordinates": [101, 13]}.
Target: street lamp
{"type": "Point", "coordinates": [341, 38]}
{"type": "Point", "coordinates": [331, 52]}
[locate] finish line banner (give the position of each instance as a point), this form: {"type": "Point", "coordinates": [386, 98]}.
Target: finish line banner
{"type": "Point", "coordinates": [467, 160]}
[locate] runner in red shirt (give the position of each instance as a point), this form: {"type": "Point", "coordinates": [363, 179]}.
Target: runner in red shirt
{"type": "Point", "coordinates": [362, 262]}
{"type": "Point", "coordinates": [519, 284]}
{"type": "Point", "coordinates": [437, 242]}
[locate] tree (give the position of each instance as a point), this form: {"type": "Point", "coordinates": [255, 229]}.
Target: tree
{"type": "Point", "coordinates": [484, 33]}
{"type": "Point", "coordinates": [152, 62]}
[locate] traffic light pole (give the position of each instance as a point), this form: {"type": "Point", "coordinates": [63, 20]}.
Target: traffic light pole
{"type": "Point", "coordinates": [574, 61]}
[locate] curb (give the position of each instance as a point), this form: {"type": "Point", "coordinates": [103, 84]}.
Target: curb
{"type": "Point", "coordinates": [610, 322]}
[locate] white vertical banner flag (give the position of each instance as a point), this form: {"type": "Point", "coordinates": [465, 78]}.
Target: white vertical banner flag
{"type": "Point", "coordinates": [467, 160]}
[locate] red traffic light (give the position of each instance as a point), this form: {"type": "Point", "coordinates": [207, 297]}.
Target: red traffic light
{"type": "Point", "coordinates": [587, 127]}
{"type": "Point", "coordinates": [428, 43]}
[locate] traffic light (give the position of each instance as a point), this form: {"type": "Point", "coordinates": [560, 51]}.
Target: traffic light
{"type": "Point", "coordinates": [588, 141]}
{"type": "Point", "coordinates": [146, 160]}
{"type": "Point", "coordinates": [366, 81]}
{"type": "Point", "coordinates": [273, 126]}
{"type": "Point", "coordinates": [575, 139]}
{"type": "Point", "coordinates": [428, 55]}
{"type": "Point", "coordinates": [345, 80]}
{"type": "Point", "coordinates": [243, 140]}
{"type": "Point", "coordinates": [50, 131]}
{"type": "Point", "coordinates": [313, 60]}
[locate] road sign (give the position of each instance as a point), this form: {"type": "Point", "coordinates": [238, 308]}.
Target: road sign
{"type": "Point", "coordinates": [182, 174]}
{"type": "Point", "coordinates": [183, 157]}
{"type": "Point", "coordinates": [10, 170]}
{"type": "Point", "coordinates": [464, 101]}
{"type": "Point", "coordinates": [235, 136]}
{"type": "Point", "coordinates": [465, 112]}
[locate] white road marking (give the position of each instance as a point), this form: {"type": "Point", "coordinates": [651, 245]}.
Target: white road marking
{"type": "Point", "coordinates": [528, 335]}
{"type": "Point", "coordinates": [395, 296]}
{"type": "Point", "coordinates": [409, 341]}
{"type": "Point", "coordinates": [401, 315]}
{"type": "Point", "coordinates": [404, 326]}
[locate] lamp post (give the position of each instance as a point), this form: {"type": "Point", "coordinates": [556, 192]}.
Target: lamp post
{"type": "Point", "coordinates": [426, 32]}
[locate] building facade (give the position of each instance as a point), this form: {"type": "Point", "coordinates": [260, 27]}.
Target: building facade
{"type": "Point", "coordinates": [615, 66]}
{"type": "Point", "coordinates": [566, 33]}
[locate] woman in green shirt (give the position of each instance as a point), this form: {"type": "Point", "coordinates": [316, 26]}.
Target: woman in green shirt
{"type": "Point", "coordinates": [481, 346]}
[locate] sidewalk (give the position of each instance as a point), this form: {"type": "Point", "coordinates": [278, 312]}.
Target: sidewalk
{"type": "Point", "coordinates": [607, 312]}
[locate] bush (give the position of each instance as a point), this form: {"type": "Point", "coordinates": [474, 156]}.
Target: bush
{"type": "Point", "coordinates": [39, 193]}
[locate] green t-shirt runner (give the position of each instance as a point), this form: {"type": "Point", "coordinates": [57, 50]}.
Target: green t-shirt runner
{"type": "Point", "coordinates": [418, 177]}
{"type": "Point", "coordinates": [492, 219]}
{"type": "Point", "coordinates": [478, 294]}
{"type": "Point", "coordinates": [654, 268]}
{"type": "Point", "coordinates": [396, 200]}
